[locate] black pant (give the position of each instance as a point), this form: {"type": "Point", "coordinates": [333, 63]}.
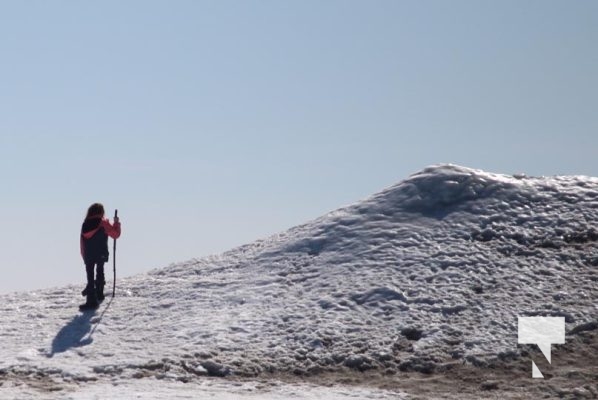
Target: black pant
{"type": "Point", "coordinates": [89, 268]}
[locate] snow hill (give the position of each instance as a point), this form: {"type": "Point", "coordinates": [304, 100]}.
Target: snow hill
{"type": "Point", "coordinates": [430, 272]}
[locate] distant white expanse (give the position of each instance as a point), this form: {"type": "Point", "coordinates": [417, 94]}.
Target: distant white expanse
{"type": "Point", "coordinates": [429, 273]}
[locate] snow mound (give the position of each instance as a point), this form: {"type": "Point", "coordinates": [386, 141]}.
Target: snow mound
{"type": "Point", "coordinates": [430, 272]}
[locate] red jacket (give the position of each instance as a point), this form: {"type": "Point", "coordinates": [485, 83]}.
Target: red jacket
{"type": "Point", "coordinates": [92, 225]}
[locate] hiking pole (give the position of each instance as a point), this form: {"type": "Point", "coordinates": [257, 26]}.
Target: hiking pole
{"type": "Point", "coordinates": [114, 259]}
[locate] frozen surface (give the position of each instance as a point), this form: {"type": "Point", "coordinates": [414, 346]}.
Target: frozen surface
{"type": "Point", "coordinates": [160, 389]}
{"type": "Point", "coordinates": [432, 271]}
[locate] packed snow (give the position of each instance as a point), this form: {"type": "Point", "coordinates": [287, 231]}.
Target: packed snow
{"type": "Point", "coordinates": [430, 272]}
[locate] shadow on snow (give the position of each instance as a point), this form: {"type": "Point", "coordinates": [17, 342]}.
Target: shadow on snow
{"type": "Point", "coordinates": [78, 332]}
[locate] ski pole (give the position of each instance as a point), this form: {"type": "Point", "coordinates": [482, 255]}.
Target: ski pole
{"type": "Point", "coordinates": [114, 259]}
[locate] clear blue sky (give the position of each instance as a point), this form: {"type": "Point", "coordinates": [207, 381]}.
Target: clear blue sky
{"type": "Point", "coordinates": [209, 124]}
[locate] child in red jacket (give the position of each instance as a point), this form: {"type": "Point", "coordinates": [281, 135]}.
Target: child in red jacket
{"type": "Point", "coordinates": [94, 249]}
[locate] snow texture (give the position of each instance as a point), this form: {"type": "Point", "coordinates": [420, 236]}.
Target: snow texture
{"type": "Point", "coordinates": [429, 272]}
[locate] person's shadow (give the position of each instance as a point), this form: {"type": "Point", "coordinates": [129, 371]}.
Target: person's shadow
{"type": "Point", "coordinates": [76, 333]}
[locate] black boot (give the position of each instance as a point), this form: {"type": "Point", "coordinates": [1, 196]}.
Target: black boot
{"type": "Point", "coordinates": [100, 290]}
{"type": "Point", "coordinates": [89, 272]}
{"type": "Point", "coordinates": [92, 301]}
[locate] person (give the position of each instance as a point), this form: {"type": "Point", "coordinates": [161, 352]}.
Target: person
{"type": "Point", "coordinates": [94, 249]}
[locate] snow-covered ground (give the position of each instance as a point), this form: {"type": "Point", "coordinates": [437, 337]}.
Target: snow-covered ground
{"type": "Point", "coordinates": [426, 275]}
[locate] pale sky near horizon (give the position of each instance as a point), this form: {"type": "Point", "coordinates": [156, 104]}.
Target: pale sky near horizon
{"type": "Point", "coordinates": [210, 124]}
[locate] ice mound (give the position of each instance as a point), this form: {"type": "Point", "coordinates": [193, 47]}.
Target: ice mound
{"type": "Point", "coordinates": [430, 272]}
